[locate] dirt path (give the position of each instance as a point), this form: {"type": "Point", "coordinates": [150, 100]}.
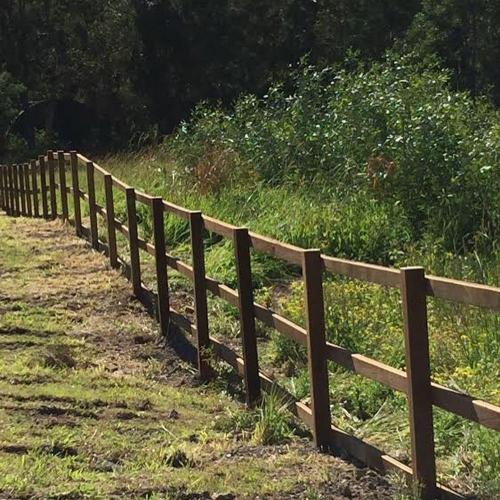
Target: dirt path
{"type": "Point", "coordinates": [92, 405]}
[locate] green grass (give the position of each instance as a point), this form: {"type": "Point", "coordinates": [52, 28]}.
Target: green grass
{"type": "Point", "coordinates": [465, 342]}
{"type": "Point", "coordinates": [85, 411]}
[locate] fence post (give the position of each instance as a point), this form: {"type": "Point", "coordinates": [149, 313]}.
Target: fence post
{"type": "Point", "coordinates": [22, 189]}
{"type": "Point", "coordinates": [43, 187]}
{"type": "Point", "coordinates": [76, 192]}
{"type": "Point", "coordinates": [161, 266]}
{"type": "Point", "coordinates": [419, 378]}
{"type": "Point", "coordinates": [34, 188]}
{"type": "Point", "coordinates": [29, 206]}
{"type": "Point", "coordinates": [312, 270]}
{"type": "Point", "coordinates": [17, 194]}
{"type": "Point", "coordinates": [62, 184]}
{"type": "Point", "coordinates": [8, 190]}
{"type": "Point", "coordinates": [3, 204]}
{"type": "Point", "coordinates": [5, 187]}
{"type": "Point", "coordinates": [110, 220]}
{"type": "Point", "coordinates": [94, 236]}
{"type": "Point", "coordinates": [52, 185]}
{"type": "Point", "coordinates": [12, 191]}
{"type": "Point", "coordinates": [241, 242]}
{"type": "Point", "coordinates": [200, 292]}
{"type": "Point", "coordinates": [2, 188]}
{"type": "Point", "coordinates": [135, 261]}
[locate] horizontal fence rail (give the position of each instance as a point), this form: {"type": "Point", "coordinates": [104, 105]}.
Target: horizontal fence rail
{"type": "Point", "coordinates": [31, 190]}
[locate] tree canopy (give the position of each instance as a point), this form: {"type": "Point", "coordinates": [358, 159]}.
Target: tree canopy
{"type": "Point", "coordinates": [143, 65]}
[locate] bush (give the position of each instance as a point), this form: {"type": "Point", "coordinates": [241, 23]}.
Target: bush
{"type": "Point", "coordinates": [395, 132]}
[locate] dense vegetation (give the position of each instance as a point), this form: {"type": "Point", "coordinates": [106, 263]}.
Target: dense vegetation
{"type": "Point", "coordinates": [381, 144]}
{"type": "Point", "coordinates": [140, 66]}
{"type": "Point", "coordinates": [384, 163]}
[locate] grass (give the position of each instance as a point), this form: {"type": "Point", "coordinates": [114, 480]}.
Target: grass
{"type": "Point", "coordinates": [91, 406]}
{"type": "Point", "coordinates": [365, 318]}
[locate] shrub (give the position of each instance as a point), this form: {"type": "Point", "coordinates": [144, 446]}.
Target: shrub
{"type": "Point", "coordinates": [395, 132]}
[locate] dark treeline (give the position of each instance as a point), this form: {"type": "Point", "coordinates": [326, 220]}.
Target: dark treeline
{"type": "Point", "coordinates": [139, 66]}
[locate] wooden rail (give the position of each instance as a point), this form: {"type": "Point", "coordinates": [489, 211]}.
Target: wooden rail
{"type": "Point", "coordinates": [30, 190]}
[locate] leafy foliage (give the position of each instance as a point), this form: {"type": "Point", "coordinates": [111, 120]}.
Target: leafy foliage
{"type": "Point", "coordinates": [394, 131]}
{"type": "Point", "coordinates": [142, 65]}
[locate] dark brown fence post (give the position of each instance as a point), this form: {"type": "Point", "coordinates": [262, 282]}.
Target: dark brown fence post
{"type": "Point", "coordinates": [52, 184]}
{"type": "Point", "coordinates": [76, 192]}
{"type": "Point", "coordinates": [312, 269]}
{"type": "Point", "coordinates": [10, 180]}
{"type": "Point", "coordinates": [12, 190]}
{"type": "Point", "coordinates": [6, 196]}
{"type": "Point", "coordinates": [110, 220]}
{"type": "Point", "coordinates": [22, 190]}
{"type": "Point", "coordinates": [419, 378]}
{"type": "Point", "coordinates": [4, 188]}
{"type": "Point", "coordinates": [17, 194]}
{"type": "Point", "coordinates": [62, 184]}
{"type": "Point", "coordinates": [8, 189]}
{"type": "Point", "coordinates": [34, 187]}
{"type": "Point", "coordinates": [135, 261]}
{"type": "Point", "coordinates": [94, 236]}
{"type": "Point", "coordinates": [241, 241]}
{"type": "Point", "coordinates": [161, 266]}
{"type": "Point", "coordinates": [43, 187]}
{"type": "Point", "coordinates": [3, 204]}
{"type": "Point", "coordinates": [200, 292]}
{"type": "Point", "coordinates": [27, 187]}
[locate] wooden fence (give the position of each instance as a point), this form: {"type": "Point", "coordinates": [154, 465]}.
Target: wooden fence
{"type": "Point", "coordinates": [31, 190]}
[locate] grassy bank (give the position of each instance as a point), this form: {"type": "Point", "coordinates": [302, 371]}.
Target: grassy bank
{"type": "Point", "coordinates": [91, 406]}
{"type": "Point", "coordinates": [385, 164]}
{"type": "Point", "coordinates": [465, 344]}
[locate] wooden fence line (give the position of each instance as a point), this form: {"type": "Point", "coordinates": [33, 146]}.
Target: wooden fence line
{"type": "Point", "coordinates": [23, 188]}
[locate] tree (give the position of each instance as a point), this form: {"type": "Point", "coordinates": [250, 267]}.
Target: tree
{"type": "Point", "coordinates": [465, 34]}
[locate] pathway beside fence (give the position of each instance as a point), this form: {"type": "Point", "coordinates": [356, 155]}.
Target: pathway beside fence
{"type": "Point", "coordinates": [40, 189]}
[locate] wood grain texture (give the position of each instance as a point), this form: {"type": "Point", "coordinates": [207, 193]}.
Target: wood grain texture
{"type": "Point", "coordinates": [75, 181]}
{"type": "Point", "coordinates": [135, 261]}
{"type": "Point", "coordinates": [161, 267]}
{"type": "Point", "coordinates": [317, 361]}
{"type": "Point", "coordinates": [110, 220]}
{"type": "Point", "coordinates": [200, 293]}
{"type": "Point", "coordinates": [419, 379]}
{"type": "Point", "coordinates": [61, 162]}
{"type": "Point", "coordinates": [52, 184]}
{"type": "Point", "coordinates": [34, 187]}
{"type": "Point", "coordinates": [251, 378]}
{"type": "Point", "coordinates": [94, 235]}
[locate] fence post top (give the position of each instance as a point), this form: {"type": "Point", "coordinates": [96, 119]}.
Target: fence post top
{"type": "Point", "coordinates": [311, 250]}
{"type": "Point", "coordinates": [412, 269]}
{"type": "Point", "coordinates": [195, 214]}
